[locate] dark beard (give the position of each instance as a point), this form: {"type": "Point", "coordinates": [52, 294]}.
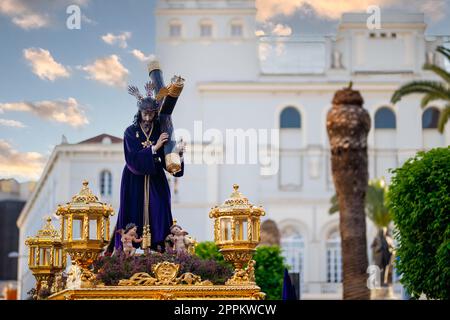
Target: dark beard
{"type": "Point", "coordinates": [146, 126]}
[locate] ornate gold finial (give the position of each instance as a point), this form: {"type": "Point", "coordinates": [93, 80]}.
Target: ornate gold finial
{"type": "Point", "coordinates": [48, 231]}
{"type": "Point", "coordinates": [174, 221]}
{"type": "Point", "coordinates": [85, 195]}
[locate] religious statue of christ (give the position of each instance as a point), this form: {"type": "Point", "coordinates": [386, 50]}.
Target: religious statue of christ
{"type": "Point", "coordinates": [145, 193]}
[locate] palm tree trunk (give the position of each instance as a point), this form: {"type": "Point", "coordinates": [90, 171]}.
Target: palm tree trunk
{"type": "Point", "coordinates": [348, 125]}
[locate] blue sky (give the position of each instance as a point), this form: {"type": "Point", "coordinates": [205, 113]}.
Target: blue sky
{"type": "Point", "coordinates": [45, 90]}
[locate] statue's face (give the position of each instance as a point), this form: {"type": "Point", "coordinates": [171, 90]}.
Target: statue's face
{"type": "Point", "coordinates": [176, 230]}
{"type": "Point", "coordinates": [147, 117]}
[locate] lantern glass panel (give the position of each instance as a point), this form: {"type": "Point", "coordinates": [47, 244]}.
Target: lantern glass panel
{"type": "Point", "coordinates": [225, 229]}
{"type": "Point", "coordinates": [41, 256]}
{"type": "Point", "coordinates": [44, 257]}
{"type": "Point", "coordinates": [77, 229]}
{"type": "Point", "coordinates": [60, 257]}
{"type": "Point", "coordinates": [48, 253]}
{"type": "Point", "coordinates": [244, 230]}
{"type": "Point", "coordinates": [255, 230]}
{"type": "Point", "coordinates": [106, 231]}
{"type": "Point", "coordinates": [238, 230]}
{"type": "Point", "coordinates": [36, 256]}
{"type": "Point", "coordinates": [57, 257]}
{"type": "Point", "coordinates": [93, 229]}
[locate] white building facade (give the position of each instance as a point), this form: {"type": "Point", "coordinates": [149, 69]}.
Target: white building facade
{"type": "Point", "coordinates": [282, 86]}
{"type": "Point", "coordinates": [237, 80]}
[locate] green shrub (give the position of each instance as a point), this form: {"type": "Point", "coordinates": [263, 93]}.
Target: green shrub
{"type": "Point", "coordinates": [208, 250]}
{"type": "Point", "coordinates": [419, 200]}
{"type": "Point", "coordinates": [269, 269]}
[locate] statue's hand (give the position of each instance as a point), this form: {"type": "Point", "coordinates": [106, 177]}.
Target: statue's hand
{"type": "Point", "coordinates": [162, 139]}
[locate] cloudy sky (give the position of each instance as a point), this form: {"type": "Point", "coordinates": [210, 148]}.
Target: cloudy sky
{"type": "Point", "coordinates": [56, 81]}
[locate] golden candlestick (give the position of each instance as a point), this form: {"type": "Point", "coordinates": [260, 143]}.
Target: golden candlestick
{"type": "Point", "coordinates": [237, 233]}
{"type": "Point", "coordinates": [46, 256]}
{"type": "Point", "coordinates": [85, 229]}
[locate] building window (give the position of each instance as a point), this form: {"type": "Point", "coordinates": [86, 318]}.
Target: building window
{"type": "Point", "coordinates": [175, 30]}
{"type": "Point", "coordinates": [385, 119]}
{"type": "Point", "coordinates": [334, 259]}
{"type": "Point", "coordinates": [106, 183]}
{"type": "Point", "coordinates": [291, 158]}
{"type": "Point", "coordinates": [290, 118]}
{"type": "Point", "coordinates": [237, 29]}
{"type": "Point", "coordinates": [430, 118]}
{"type": "Point", "coordinates": [206, 30]}
{"type": "Point", "coordinates": [293, 250]}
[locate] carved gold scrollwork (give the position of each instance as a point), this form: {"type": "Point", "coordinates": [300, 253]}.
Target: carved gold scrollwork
{"type": "Point", "coordinates": [165, 275]}
{"type": "Point", "coordinates": [243, 276]}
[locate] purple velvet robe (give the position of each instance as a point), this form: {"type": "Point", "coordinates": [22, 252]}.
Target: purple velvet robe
{"type": "Point", "coordinates": [141, 161]}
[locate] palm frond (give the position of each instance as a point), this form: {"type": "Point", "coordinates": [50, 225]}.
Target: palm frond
{"type": "Point", "coordinates": [443, 118]}
{"type": "Point", "coordinates": [444, 51]}
{"type": "Point", "coordinates": [429, 98]}
{"type": "Point", "coordinates": [334, 205]}
{"type": "Point", "coordinates": [422, 87]}
{"type": "Point", "coordinates": [439, 71]}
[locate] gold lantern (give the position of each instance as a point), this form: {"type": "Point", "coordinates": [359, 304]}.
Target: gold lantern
{"type": "Point", "coordinates": [46, 256]}
{"type": "Point", "coordinates": [85, 230]}
{"type": "Point", "coordinates": [237, 230]}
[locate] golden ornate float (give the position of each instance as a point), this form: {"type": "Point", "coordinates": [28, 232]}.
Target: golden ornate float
{"type": "Point", "coordinates": [85, 232]}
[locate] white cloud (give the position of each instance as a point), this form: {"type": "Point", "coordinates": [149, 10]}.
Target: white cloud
{"type": "Point", "coordinates": [13, 163]}
{"type": "Point", "coordinates": [436, 10]}
{"type": "Point", "coordinates": [108, 70]}
{"type": "Point", "coordinates": [141, 56]}
{"type": "Point", "coordinates": [62, 111]}
{"type": "Point", "coordinates": [31, 21]}
{"type": "Point", "coordinates": [43, 64]}
{"type": "Point", "coordinates": [11, 123]}
{"type": "Point", "coordinates": [28, 14]}
{"type": "Point", "coordinates": [260, 33]}
{"type": "Point", "coordinates": [281, 30]}
{"type": "Point", "coordinates": [120, 39]}
{"type": "Point", "coordinates": [22, 14]}
{"type": "Point", "coordinates": [86, 19]}
{"type": "Point", "coordinates": [333, 9]}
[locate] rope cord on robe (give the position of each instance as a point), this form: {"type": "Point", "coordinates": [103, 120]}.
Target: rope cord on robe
{"type": "Point", "coordinates": [146, 235]}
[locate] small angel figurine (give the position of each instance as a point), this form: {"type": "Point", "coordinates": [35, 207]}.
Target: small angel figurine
{"type": "Point", "coordinates": [129, 235]}
{"type": "Point", "coordinates": [178, 239]}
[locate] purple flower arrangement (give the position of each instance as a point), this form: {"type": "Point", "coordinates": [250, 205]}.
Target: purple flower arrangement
{"type": "Point", "coordinates": [111, 269]}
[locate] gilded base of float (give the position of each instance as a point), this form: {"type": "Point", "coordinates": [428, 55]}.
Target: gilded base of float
{"type": "Point", "coordinates": [184, 292]}
{"type": "Point", "coordinates": [166, 285]}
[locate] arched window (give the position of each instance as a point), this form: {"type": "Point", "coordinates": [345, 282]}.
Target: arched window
{"type": "Point", "coordinates": [293, 250]}
{"type": "Point", "coordinates": [430, 118]}
{"type": "Point", "coordinates": [385, 119]}
{"type": "Point", "coordinates": [334, 260]}
{"type": "Point", "coordinates": [290, 118]}
{"type": "Point", "coordinates": [106, 183]}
